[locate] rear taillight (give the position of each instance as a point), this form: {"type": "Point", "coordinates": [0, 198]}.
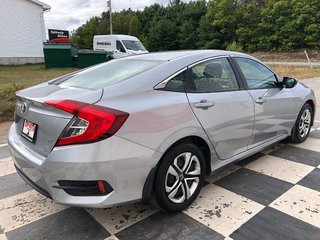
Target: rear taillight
{"type": "Point", "coordinates": [91, 123]}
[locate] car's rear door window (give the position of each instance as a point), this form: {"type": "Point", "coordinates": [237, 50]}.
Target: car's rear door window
{"type": "Point", "coordinates": [108, 74]}
{"type": "Point", "coordinates": [214, 75]}
{"type": "Point", "coordinates": [256, 74]}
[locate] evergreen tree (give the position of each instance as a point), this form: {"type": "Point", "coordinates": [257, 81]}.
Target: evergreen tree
{"type": "Point", "coordinates": [250, 24]}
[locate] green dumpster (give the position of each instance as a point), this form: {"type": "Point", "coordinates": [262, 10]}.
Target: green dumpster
{"type": "Point", "coordinates": [87, 58]}
{"type": "Point", "coordinates": [60, 55]}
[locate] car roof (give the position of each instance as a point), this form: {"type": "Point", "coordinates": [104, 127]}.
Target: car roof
{"type": "Point", "coordinates": [172, 55]}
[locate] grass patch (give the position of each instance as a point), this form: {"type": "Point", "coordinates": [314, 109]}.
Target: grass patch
{"type": "Point", "coordinates": [13, 78]}
{"type": "Point", "coordinates": [298, 72]}
{"type": "Point", "coordinates": [28, 75]}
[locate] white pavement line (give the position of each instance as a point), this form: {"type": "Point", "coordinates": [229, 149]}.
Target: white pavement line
{"type": "Point", "coordinates": [234, 210]}
{"type": "Point", "coordinates": [4, 144]}
{"type": "Point", "coordinates": [113, 237]}
{"type": "Point", "coordinates": [312, 144]}
{"type": "Point", "coordinates": [6, 166]}
{"type": "Point", "coordinates": [300, 202]}
{"type": "Point", "coordinates": [114, 219]}
{"type": "Point", "coordinates": [3, 237]}
{"type": "Point", "coordinates": [24, 208]}
{"type": "Point", "coordinates": [280, 168]}
{"type": "Point", "coordinates": [317, 121]}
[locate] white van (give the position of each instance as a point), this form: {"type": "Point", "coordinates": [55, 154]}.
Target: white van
{"type": "Point", "coordinates": [119, 45]}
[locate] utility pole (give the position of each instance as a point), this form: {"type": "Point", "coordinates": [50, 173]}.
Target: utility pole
{"type": "Point", "coordinates": [110, 11]}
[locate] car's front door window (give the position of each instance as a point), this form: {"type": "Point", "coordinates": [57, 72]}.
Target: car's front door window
{"type": "Point", "coordinates": [257, 75]}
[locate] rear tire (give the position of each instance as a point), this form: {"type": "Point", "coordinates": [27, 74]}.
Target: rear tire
{"type": "Point", "coordinates": [301, 129]}
{"type": "Point", "coordinates": [179, 177]}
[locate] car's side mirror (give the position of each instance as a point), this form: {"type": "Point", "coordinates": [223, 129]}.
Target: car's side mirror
{"type": "Point", "coordinates": [289, 82]}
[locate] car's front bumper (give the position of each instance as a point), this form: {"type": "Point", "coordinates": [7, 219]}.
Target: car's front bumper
{"type": "Point", "coordinates": [123, 164]}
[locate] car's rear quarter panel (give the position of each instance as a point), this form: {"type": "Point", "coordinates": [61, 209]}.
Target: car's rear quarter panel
{"type": "Point", "coordinates": [157, 120]}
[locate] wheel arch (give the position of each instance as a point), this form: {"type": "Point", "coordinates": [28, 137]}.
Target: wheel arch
{"type": "Point", "coordinates": [200, 143]}
{"type": "Point", "coordinates": [196, 140]}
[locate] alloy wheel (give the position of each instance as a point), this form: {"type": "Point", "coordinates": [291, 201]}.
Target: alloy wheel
{"type": "Point", "coordinates": [183, 177]}
{"type": "Point", "coordinates": [304, 123]}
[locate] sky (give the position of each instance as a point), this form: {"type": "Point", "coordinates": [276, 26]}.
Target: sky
{"type": "Point", "coordinates": [70, 14]}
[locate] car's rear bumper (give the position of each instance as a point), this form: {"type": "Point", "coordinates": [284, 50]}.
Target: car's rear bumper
{"type": "Point", "coordinates": [32, 184]}
{"type": "Point", "coordinates": [122, 164]}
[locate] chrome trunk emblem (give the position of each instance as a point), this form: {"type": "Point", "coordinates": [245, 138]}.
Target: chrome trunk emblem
{"type": "Point", "coordinates": [23, 107]}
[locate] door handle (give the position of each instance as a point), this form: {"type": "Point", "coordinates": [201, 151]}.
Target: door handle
{"type": "Point", "coordinates": [261, 100]}
{"type": "Point", "coordinates": [204, 104]}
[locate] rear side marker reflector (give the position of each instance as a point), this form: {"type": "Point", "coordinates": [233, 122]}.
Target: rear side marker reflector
{"type": "Point", "coordinates": [101, 187]}
{"type": "Point", "coordinates": [91, 123]}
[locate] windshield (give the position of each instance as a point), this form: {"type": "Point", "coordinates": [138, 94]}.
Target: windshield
{"type": "Point", "coordinates": [133, 45]}
{"type": "Point", "coordinates": [108, 74]}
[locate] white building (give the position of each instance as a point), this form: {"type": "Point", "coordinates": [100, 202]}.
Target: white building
{"type": "Point", "coordinates": [22, 31]}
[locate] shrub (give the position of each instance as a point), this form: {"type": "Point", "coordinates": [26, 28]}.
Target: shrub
{"type": "Point", "coordinates": [7, 102]}
{"type": "Point", "coordinates": [235, 47]}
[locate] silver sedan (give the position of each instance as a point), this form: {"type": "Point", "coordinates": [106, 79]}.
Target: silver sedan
{"type": "Point", "coordinates": [152, 125]}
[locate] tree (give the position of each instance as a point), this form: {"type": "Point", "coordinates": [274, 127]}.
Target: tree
{"type": "Point", "coordinates": [104, 24]}
{"type": "Point", "coordinates": [134, 26]}
{"type": "Point", "coordinates": [250, 24]}
{"type": "Point", "coordinates": [188, 37]}
{"type": "Point", "coordinates": [248, 28]}
{"type": "Point", "coordinates": [224, 15]}
{"type": "Point", "coordinates": [83, 36]}
{"type": "Point", "coordinates": [208, 36]}
{"type": "Point", "coordinates": [163, 35]}
{"type": "Point", "coordinates": [309, 15]}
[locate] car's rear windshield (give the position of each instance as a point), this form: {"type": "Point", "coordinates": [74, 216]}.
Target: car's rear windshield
{"type": "Point", "coordinates": [107, 74]}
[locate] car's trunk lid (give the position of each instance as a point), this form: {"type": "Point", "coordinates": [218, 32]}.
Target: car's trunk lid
{"type": "Point", "coordinates": [50, 122]}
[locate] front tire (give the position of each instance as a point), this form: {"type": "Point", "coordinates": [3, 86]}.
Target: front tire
{"type": "Point", "coordinates": [301, 129]}
{"type": "Point", "coordinates": [179, 177]}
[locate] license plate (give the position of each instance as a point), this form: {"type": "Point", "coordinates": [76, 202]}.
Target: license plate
{"type": "Point", "coordinates": [29, 130]}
